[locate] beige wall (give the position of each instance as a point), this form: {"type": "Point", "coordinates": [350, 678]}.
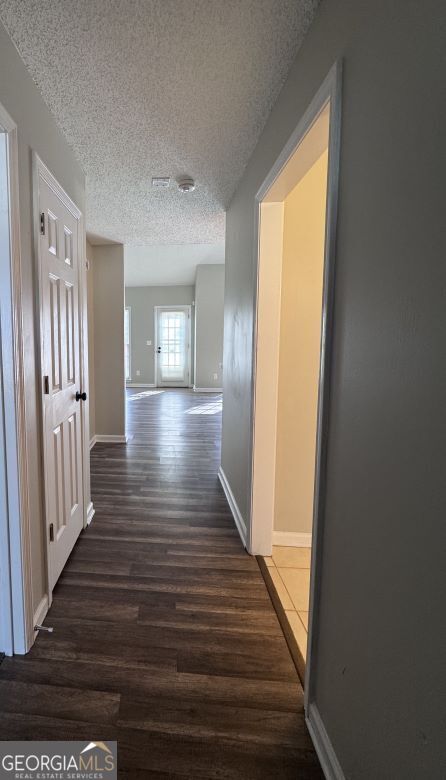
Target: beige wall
{"type": "Point", "coordinates": [108, 339]}
{"type": "Point", "coordinates": [300, 330]}
{"type": "Point", "coordinates": [36, 131]}
{"type": "Point", "coordinates": [209, 307]}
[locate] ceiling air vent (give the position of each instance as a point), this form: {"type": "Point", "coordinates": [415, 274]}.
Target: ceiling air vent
{"type": "Point", "coordinates": [160, 182]}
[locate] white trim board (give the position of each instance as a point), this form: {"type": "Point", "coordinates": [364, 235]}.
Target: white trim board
{"type": "Point", "coordinates": [108, 438]}
{"type": "Point", "coordinates": [139, 384]}
{"type": "Point", "coordinates": [332, 88]}
{"type": "Point", "coordinates": [208, 389]}
{"type": "Point", "coordinates": [291, 539]}
{"type": "Point", "coordinates": [40, 613]}
{"type": "Point", "coordinates": [237, 515]}
{"type": "Point", "coordinates": [129, 310]}
{"type": "Point", "coordinates": [322, 743]}
{"type": "Point", "coordinates": [16, 613]}
{"type": "Point", "coordinates": [90, 512]}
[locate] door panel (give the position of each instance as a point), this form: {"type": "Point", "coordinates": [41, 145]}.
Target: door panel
{"type": "Point", "coordinates": [62, 414]}
{"type": "Point", "coordinates": [173, 345]}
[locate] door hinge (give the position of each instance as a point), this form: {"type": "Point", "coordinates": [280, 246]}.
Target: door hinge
{"type": "Point", "coordinates": [51, 532]}
{"type": "Point", "coordinates": [46, 385]}
{"type": "Point", "coordinates": [42, 223]}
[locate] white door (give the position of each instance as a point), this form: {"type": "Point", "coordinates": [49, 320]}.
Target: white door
{"type": "Point", "coordinates": [59, 257]}
{"type": "Point", "coordinates": [172, 348]}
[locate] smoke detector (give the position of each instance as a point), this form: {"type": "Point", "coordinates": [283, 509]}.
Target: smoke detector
{"type": "Point", "coordinates": [160, 182]}
{"type": "Point", "coordinates": [186, 184]}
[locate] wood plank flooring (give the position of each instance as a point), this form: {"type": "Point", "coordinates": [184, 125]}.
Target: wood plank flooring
{"type": "Point", "coordinates": [164, 638]}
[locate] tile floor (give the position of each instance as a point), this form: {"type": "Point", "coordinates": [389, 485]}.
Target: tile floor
{"type": "Point", "coordinates": [289, 568]}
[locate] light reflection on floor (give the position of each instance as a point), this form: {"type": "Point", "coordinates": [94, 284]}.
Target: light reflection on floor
{"type": "Point", "coordinates": [144, 394]}
{"type": "Point", "coordinates": [212, 408]}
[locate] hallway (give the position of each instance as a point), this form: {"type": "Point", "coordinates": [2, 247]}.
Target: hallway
{"type": "Point", "coordinates": [164, 635]}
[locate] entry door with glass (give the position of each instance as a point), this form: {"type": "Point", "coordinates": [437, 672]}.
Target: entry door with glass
{"type": "Point", "coordinates": [172, 348]}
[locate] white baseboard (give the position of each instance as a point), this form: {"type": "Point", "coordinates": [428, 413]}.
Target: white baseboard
{"type": "Point", "coordinates": [110, 438]}
{"type": "Point", "coordinates": [289, 539]}
{"type": "Point", "coordinates": [207, 389]}
{"type": "Point", "coordinates": [40, 613]}
{"type": "Point", "coordinates": [90, 512]}
{"type": "Point", "coordinates": [139, 384]}
{"type": "Point", "coordinates": [92, 442]}
{"type": "Point", "coordinates": [324, 748]}
{"type": "Point", "coordinates": [240, 523]}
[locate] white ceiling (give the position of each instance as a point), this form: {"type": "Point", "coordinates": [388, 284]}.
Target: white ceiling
{"type": "Point", "coordinates": [159, 87]}
{"type": "Point", "coordinates": [167, 265]}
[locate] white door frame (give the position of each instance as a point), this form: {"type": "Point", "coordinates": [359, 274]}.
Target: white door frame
{"type": "Point", "coordinates": [179, 306]}
{"type": "Point", "coordinates": [129, 309]}
{"type": "Point", "coordinates": [261, 522]}
{"type": "Point", "coordinates": [16, 607]}
{"type": "Point", "coordinates": [40, 170]}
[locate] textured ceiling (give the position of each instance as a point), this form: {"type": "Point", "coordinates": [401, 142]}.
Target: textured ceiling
{"type": "Point", "coordinates": [146, 88]}
{"type": "Point", "coordinates": [167, 264]}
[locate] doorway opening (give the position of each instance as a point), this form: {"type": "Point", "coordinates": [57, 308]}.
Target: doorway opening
{"type": "Point", "coordinates": [297, 207]}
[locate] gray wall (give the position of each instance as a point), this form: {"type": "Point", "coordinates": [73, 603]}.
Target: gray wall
{"type": "Point", "coordinates": [108, 339]}
{"type": "Point", "coordinates": [209, 312]}
{"type": "Point", "coordinates": [380, 676]}
{"type": "Point", "coordinates": [142, 301]}
{"type": "Point", "coordinates": [36, 130]}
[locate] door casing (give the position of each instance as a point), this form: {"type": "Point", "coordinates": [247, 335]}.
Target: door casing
{"type": "Point", "coordinates": [16, 604]}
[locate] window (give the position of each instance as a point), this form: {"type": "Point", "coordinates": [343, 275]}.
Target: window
{"type": "Point", "coordinates": [127, 341]}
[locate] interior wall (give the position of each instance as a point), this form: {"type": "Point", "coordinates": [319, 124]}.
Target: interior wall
{"type": "Point", "coordinates": [91, 361]}
{"type": "Point", "coordinates": [36, 131]}
{"type": "Point", "coordinates": [299, 352]}
{"type": "Point", "coordinates": [209, 322]}
{"type": "Point", "coordinates": [142, 301]}
{"type": "Point", "coordinates": [376, 677]}
{"type": "Point", "coordinates": [108, 303]}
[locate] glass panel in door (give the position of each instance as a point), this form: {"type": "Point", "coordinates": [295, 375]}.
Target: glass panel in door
{"type": "Point", "coordinates": [172, 347]}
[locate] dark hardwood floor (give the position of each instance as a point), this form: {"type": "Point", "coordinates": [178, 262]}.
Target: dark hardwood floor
{"type": "Point", "coordinates": [164, 638]}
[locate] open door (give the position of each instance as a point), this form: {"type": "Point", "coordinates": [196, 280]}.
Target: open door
{"type": "Point", "coordinates": [60, 252]}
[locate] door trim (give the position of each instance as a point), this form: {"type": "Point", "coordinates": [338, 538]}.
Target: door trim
{"type": "Point", "coordinates": [40, 170]}
{"type": "Point", "coordinates": [173, 307]}
{"type": "Point", "coordinates": [329, 92]}
{"type": "Point", "coordinates": [17, 559]}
